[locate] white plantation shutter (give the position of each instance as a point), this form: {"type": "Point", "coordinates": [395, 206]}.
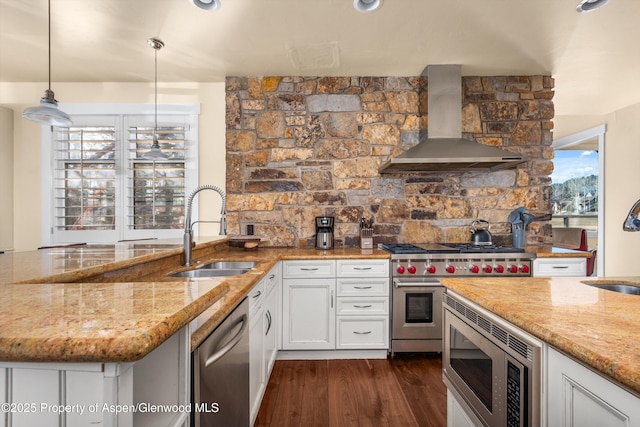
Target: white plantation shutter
{"type": "Point", "coordinates": [156, 189]}
{"type": "Point", "coordinates": [104, 190]}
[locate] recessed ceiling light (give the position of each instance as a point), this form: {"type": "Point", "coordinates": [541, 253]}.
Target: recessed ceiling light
{"type": "Point", "coordinates": [588, 5]}
{"type": "Point", "coordinates": [207, 4]}
{"type": "Point", "coordinates": [366, 6]}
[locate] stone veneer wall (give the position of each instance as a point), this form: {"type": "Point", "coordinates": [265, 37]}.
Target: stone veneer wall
{"type": "Point", "coordinates": [300, 147]}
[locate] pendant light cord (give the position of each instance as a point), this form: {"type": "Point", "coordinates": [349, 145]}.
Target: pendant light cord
{"type": "Point", "coordinates": [155, 127]}
{"type": "Point", "coordinates": [49, 17]}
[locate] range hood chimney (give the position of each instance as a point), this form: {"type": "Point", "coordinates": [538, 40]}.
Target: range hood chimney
{"type": "Point", "coordinates": [444, 150]}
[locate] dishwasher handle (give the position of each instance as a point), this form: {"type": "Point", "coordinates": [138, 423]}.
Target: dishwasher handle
{"type": "Point", "coordinates": [228, 346]}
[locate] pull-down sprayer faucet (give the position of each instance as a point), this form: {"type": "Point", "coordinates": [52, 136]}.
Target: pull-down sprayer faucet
{"type": "Point", "coordinates": [188, 225]}
{"type": "Point", "coordinates": [632, 223]}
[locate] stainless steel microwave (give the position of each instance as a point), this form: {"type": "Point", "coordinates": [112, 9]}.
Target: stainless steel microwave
{"type": "Point", "coordinates": [491, 365]}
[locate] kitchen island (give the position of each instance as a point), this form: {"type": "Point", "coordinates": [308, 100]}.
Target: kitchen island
{"type": "Point", "coordinates": [93, 325]}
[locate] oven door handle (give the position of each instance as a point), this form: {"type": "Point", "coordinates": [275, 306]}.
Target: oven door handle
{"type": "Point", "coordinates": [400, 284]}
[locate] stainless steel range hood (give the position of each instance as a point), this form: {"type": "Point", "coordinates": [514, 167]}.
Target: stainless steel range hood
{"type": "Point", "coordinates": [444, 150]}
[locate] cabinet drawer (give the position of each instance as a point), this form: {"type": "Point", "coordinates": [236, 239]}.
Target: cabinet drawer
{"type": "Point", "coordinates": [363, 306]}
{"type": "Point", "coordinates": [272, 278]}
{"type": "Point", "coordinates": [255, 298]}
{"type": "Point", "coordinates": [363, 268]}
{"type": "Point", "coordinates": [363, 332]}
{"type": "Point", "coordinates": [304, 269]}
{"type": "Point", "coordinates": [549, 267]}
{"type": "Point", "coordinates": [363, 287]}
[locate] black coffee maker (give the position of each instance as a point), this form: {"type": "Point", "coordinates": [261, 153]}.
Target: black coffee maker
{"type": "Point", "coordinates": [324, 232]}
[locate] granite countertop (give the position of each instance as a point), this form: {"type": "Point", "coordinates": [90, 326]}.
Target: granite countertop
{"type": "Point", "coordinates": [115, 303]}
{"type": "Point", "coordinates": [555, 252]}
{"type": "Point", "coordinates": [594, 326]}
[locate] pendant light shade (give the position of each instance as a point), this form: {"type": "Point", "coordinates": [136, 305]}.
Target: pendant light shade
{"type": "Point", "coordinates": [155, 153]}
{"type": "Point", "coordinates": [48, 112]}
{"type": "Point", "coordinates": [366, 6]}
{"type": "Point", "coordinates": [207, 4]}
{"type": "Point", "coordinates": [588, 5]}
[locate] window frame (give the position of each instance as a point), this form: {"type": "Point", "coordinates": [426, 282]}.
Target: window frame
{"type": "Point", "coordinates": [121, 115]}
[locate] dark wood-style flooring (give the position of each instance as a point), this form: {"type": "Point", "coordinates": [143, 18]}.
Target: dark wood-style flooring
{"type": "Point", "coordinates": [404, 391]}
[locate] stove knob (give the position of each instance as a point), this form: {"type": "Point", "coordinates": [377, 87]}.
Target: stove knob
{"type": "Point", "coordinates": [431, 269]}
{"type": "Point", "coordinates": [524, 269]}
{"type": "Point", "coordinates": [513, 268]}
{"type": "Point", "coordinates": [499, 269]}
{"type": "Point", "coordinates": [400, 269]}
{"type": "Point", "coordinates": [474, 269]}
{"type": "Point", "coordinates": [450, 269]}
{"type": "Point", "coordinates": [488, 269]}
{"type": "Point", "coordinates": [412, 269]}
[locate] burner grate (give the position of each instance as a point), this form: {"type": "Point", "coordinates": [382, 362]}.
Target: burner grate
{"type": "Point", "coordinates": [402, 248]}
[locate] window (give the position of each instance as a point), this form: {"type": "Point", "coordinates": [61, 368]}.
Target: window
{"type": "Point", "coordinates": [104, 190]}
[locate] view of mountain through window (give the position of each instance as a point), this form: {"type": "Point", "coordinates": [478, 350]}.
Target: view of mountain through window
{"type": "Point", "coordinates": [574, 184]}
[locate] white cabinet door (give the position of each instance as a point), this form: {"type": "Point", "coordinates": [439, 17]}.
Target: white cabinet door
{"type": "Point", "coordinates": [579, 397]}
{"type": "Point", "coordinates": [459, 414]}
{"type": "Point", "coordinates": [270, 320]}
{"type": "Point", "coordinates": [256, 365]}
{"type": "Point", "coordinates": [308, 314]}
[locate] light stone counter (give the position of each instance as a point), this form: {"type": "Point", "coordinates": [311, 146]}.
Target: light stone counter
{"type": "Point", "coordinates": [554, 252]}
{"type": "Point", "coordinates": [115, 303]}
{"type": "Point", "coordinates": [596, 327]}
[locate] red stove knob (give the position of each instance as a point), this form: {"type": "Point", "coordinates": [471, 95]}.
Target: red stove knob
{"type": "Point", "coordinates": [400, 269]}
{"type": "Point", "coordinates": [450, 269]}
{"type": "Point", "coordinates": [488, 269]}
{"type": "Point", "coordinates": [524, 268]}
{"type": "Point", "coordinates": [513, 268]}
{"type": "Point", "coordinates": [474, 269]}
{"type": "Point", "coordinates": [412, 269]}
{"type": "Point", "coordinates": [499, 269]}
{"type": "Point", "coordinates": [431, 269]}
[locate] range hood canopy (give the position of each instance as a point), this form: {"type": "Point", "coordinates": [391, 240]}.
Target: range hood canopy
{"type": "Point", "coordinates": [445, 150]}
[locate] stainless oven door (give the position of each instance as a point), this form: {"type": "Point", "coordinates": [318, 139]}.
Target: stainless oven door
{"type": "Point", "coordinates": [474, 367]}
{"type": "Point", "coordinates": [417, 309]}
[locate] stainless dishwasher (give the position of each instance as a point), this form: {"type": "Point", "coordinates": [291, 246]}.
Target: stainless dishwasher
{"type": "Point", "coordinates": [221, 373]}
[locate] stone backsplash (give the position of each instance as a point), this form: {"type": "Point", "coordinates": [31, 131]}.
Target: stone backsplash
{"type": "Point", "coordinates": [301, 147]}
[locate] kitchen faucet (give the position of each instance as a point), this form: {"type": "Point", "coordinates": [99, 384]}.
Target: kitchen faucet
{"type": "Point", "coordinates": [188, 225]}
{"type": "Point", "coordinates": [632, 223]}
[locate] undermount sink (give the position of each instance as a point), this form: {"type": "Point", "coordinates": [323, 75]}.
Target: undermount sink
{"type": "Point", "coordinates": [218, 269]}
{"type": "Point", "coordinates": [210, 272]}
{"type": "Point", "coordinates": [616, 287]}
{"type": "Point", "coordinates": [230, 265]}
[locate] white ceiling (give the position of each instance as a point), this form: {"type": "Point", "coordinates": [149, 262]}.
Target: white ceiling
{"type": "Point", "coordinates": [593, 57]}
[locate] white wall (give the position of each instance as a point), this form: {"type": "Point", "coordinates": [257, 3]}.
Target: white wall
{"type": "Point", "coordinates": [622, 151]}
{"type": "Point", "coordinates": [6, 179]}
{"type": "Point", "coordinates": [27, 207]}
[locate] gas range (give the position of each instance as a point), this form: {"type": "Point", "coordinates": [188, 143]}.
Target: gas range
{"type": "Point", "coordinates": [457, 259]}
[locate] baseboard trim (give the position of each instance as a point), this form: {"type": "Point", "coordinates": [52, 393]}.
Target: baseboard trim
{"type": "Point", "coordinates": [330, 354]}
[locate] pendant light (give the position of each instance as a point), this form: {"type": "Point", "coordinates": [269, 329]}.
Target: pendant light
{"type": "Point", "coordinates": [207, 4]}
{"type": "Point", "coordinates": [155, 153]}
{"type": "Point", "coordinates": [588, 5]}
{"type": "Point", "coordinates": [47, 112]}
{"type": "Point", "coordinates": [366, 6]}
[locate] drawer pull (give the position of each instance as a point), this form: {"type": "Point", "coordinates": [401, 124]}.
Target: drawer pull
{"type": "Point", "coordinates": [362, 287]}
{"type": "Point", "coordinates": [362, 306]}
{"type": "Point", "coordinates": [560, 266]}
{"type": "Point", "coordinates": [257, 295]}
{"type": "Point", "coordinates": [309, 269]}
{"type": "Point", "coordinates": [272, 276]}
{"type": "Point", "coordinates": [362, 333]}
{"type": "Point", "coordinates": [362, 268]}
